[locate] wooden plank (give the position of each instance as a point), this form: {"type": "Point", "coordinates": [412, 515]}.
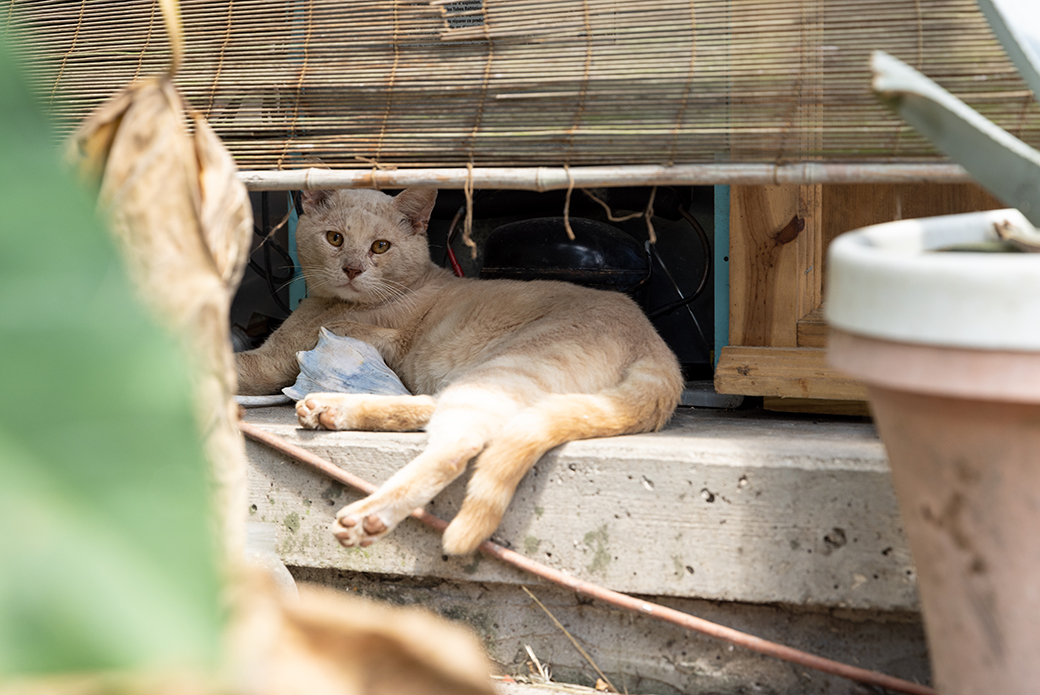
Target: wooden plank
{"type": "Point", "coordinates": [778, 239]}
{"type": "Point", "coordinates": [851, 206]}
{"type": "Point", "coordinates": [811, 252]}
{"type": "Point", "coordinates": [847, 207]}
{"type": "Point", "coordinates": [775, 258]}
{"type": "Point", "coordinates": [821, 406]}
{"type": "Point", "coordinates": [812, 330]}
{"type": "Point", "coordinates": [786, 372]}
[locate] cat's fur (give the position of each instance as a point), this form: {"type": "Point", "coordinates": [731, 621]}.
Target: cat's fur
{"type": "Point", "coordinates": [509, 369]}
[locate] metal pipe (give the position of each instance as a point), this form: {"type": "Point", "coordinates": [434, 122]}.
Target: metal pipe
{"type": "Point", "coordinates": [556, 178]}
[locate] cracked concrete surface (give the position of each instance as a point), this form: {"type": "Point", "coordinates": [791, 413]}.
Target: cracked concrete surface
{"type": "Point", "coordinates": [786, 526]}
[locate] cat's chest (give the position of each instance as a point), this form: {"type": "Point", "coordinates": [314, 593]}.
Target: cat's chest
{"type": "Point", "coordinates": [328, 311]}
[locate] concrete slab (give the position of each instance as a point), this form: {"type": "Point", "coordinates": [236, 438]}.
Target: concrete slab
{"type": "Point", "coordinates": [701, 394]}
{"type": "Point", "coordinates": [641, 655]}
{"type": "Point", "coordinates": [738, 506]}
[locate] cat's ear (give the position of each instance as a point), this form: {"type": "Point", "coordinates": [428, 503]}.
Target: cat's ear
{"type": "Point", "coordinates": [312, 200]}
{"type": "Point", "coordinates": [416, 204]}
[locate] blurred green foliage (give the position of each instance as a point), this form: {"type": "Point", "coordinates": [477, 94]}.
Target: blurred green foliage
{"type": "Point", "coordinates": [107, 559]}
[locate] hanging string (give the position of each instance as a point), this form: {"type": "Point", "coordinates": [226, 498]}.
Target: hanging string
{"type": "Point", "coordinates": [147, 43]}
{"type": "Point", "coordinates": [576, 123]}
{"type": "Point", "coordinates": [610, 213]}
{"type": "Point", "coordinates": [649, 214]}
{"type": "Point", "coordinates": [72, 47]}
{"type": "Point", "coordinates": [467, 227]}
{"type": "Point", "coordinates": [220, 59]}
{"type": "Point", "coordinates": [391, 83]}
{"type": "Point", "coordinates": [377, 166]}
{"type": "Point", "coordinates": [567, 203]}
{"type": "Point", "coordinates": [308, 11]}
{"type": "Point", "coordinates": [688, 88]}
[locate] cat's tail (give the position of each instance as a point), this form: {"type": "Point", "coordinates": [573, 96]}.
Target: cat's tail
{"type": "Point", "coordinates": [642, 402]}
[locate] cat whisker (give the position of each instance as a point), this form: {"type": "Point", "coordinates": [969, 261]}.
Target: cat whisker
{"type": "Point", "coordinates": [389, 295]}
{"type": "Point", "coordinates": [319, 281]}
{"type": "Point", "coordinates": [395, 291]}
{"type": "Point", "coordinates": [399, 286]}
{"type": "Point", "coordinates": [288, 282]}
{"type": "Point", "coordinates": [402, 290]}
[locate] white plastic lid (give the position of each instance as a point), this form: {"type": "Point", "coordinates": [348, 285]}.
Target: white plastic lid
{"type": "Point", "coordinates": [885, 282]}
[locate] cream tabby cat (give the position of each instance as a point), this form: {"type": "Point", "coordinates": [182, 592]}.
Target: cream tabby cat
{"type": "Point", "coordinates": [508, 369]}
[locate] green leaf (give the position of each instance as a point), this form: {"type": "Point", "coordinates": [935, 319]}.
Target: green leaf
{"type": "Point", "coordinates": [1016, 24]}
{"type": "Point", "coordinates": [1000, 162]}
{"type": "Point", "coordinates": [107, 558]}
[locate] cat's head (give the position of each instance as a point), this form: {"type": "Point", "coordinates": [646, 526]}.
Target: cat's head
{"type": "Point", "coordinates": [364, 246]}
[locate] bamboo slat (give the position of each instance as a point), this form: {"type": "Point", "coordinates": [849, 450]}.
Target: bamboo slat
{"type": "Point", "coordinates": [529, 83]}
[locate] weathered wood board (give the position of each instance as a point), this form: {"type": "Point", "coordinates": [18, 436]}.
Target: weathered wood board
{"type": "Point", "coordinates": [773, 261]}
{"type": "Point", "coordinates": [778, 241]}
{"type": "Point", "coordinates": [784, 372]}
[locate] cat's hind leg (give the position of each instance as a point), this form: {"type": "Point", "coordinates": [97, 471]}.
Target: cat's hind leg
{"type": "Point", "coordinates": [364, 411]}
{"type": "Point", "coordinates": [465, 420]}
{"type": "Point", "coordinates": [642, 402]}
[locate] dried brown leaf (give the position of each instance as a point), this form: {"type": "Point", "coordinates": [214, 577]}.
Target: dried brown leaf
{"type": "Point", "coordinates": [88, 148]}
{"type": "Point", "coordinates": [331, 643]}
{"type": "Point", "coordinates": [225, 214]}
{"type": "Point", "coordinates": [174, 202]}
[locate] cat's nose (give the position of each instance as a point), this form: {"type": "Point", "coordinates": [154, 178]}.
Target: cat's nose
{"type": "Point", "coordinates": [352, 272]}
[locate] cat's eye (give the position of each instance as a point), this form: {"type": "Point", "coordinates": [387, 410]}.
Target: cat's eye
{"type": "Point", "coordinates": [334, 238]}
{"type": "Point", "coordinates": [380, 246]}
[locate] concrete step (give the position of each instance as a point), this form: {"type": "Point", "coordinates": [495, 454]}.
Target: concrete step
{"type": "Point", "coordinates": [784, 525]}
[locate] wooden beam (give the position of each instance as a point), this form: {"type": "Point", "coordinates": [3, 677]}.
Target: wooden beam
{"type": "Point", "coordinates": [786, 372]}
{"type": "Point", "coordinates": [556, 178]}
{"type": "Point", "coordinates": [820, 406]}
{"type": "Point", "coordinates": [775, 260]}
{"type": "Point", "coordinates": [852, 206]}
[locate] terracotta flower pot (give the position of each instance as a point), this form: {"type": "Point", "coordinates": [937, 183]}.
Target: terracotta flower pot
{"type": "Point", "coordinates": [949, 347]}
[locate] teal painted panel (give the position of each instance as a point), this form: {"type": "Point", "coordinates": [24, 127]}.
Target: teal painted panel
{"type": "Point", "coordinates": [721, 270]}
{"type": "Point", "coordinates": [298, 288]}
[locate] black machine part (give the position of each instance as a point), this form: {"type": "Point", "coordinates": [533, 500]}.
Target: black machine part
{"type": "Point", "coordinates": [600, 255]}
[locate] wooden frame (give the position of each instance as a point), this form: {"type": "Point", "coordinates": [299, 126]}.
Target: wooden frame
{"type": "Point", "coordinates": [777, 251]}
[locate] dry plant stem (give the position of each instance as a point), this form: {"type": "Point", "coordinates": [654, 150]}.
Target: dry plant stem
{"type": "Point", "coordinates": [171, 12]}
{"type": "Point", "coordinates": [571, 638]}
{"type": "Point", "coordinates": [543, 673]}
{"type": "Point", "coordinates": [705, 627]}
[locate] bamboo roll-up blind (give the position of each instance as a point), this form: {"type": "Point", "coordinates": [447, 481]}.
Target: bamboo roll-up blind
{"type": "Point", "coordinates": [414, 83]}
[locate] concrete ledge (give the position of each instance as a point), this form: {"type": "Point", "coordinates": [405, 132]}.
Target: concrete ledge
{"type": "Point", "coordinates": [642, 655]}
{"type": "Point", "coordinates": [736, 506]}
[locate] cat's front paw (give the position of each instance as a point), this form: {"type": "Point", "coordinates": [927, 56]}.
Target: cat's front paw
{"type": "Point", "coordinates": [322, 411]}
{"type": "Point", "coordinates": [358, 526]}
